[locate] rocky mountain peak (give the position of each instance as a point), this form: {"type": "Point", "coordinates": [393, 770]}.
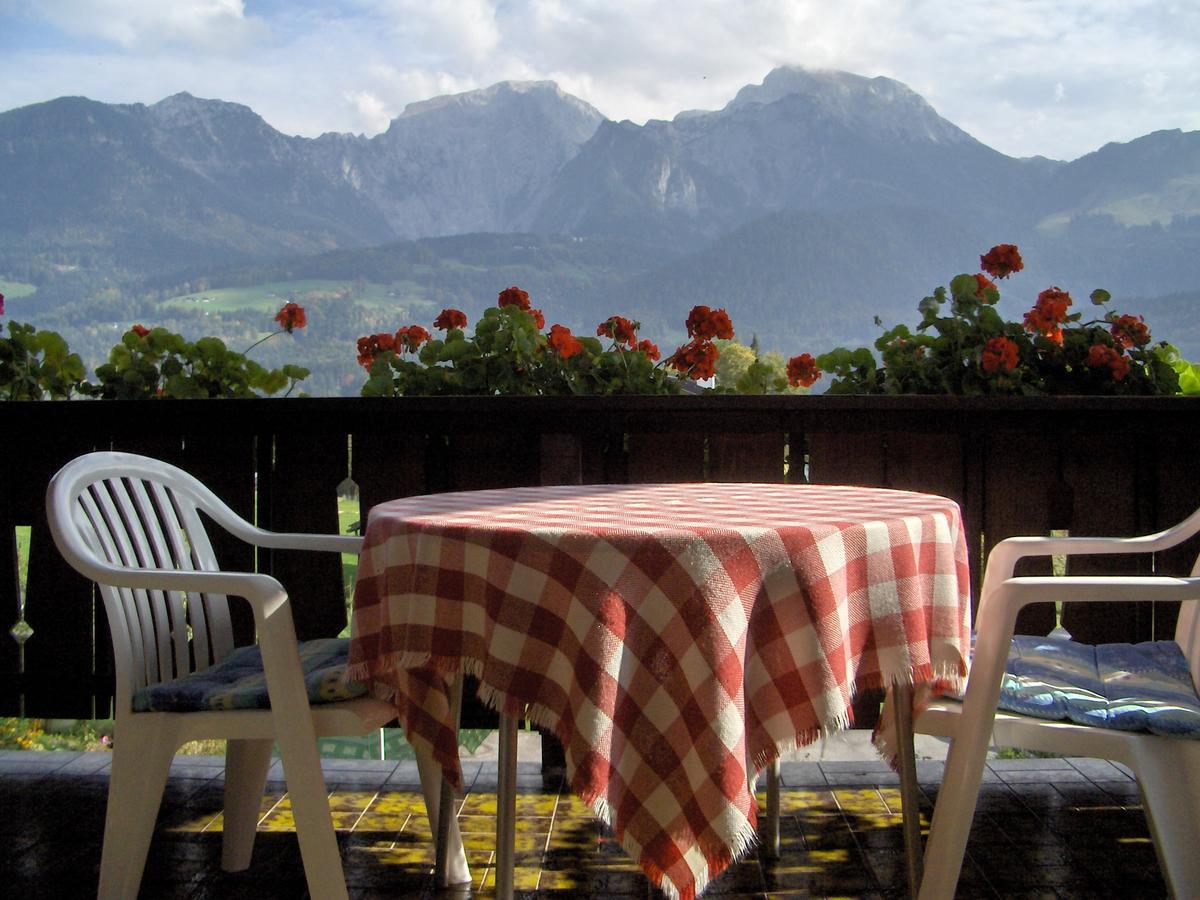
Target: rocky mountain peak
{"type": "Point", "coordinates": [184, 109]}
{"type": "Point", "coordinates": [467, 162]}
{"type": "Point", "coordinates": [547, 92]}
{"type": "Point", "coordinates": [880, 105]}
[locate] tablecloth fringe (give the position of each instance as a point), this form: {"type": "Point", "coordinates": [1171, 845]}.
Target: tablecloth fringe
{"type": "Point", "coordinates": [499, 700]}
{"type": "Point", "coordinates": [936, 678]}
{"type": "Point", "coordinates": [764, 758]}
{"type": "Point", "coordinates": [742, 843]}
{"type": "Point", "coordinates": [928, 681]}
{"type": "Point", "coordinates": [393, 662]}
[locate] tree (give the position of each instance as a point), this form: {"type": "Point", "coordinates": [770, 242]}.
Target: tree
{"type": "Point", "coordinates": [734, 361]}
{"type": "Point", "coordinates": [745, 370]}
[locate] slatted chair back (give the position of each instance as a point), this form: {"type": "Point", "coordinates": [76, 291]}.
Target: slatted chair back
{"type": "Point", "coordinates": [152, 521]}
{"type": "Point", "coordinates": [1187, 628]}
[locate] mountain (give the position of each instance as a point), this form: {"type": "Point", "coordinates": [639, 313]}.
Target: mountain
{"type": "Point", "coordinates": [188, 182]}
{"type": "Point", "coordinates": [1155, 178]}
{"type": "Point", "coordinates": [808, 205]}
{"type": "Point", "coordinates": [807, 140]}
{"type": "Point", "coordinates": [785, 276]}
{"type": "Point", "coordinates": [464, 163]}
{"type": "Point", "coordinates": [182, 182]}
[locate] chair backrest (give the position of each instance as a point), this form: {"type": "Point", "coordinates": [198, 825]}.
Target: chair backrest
{"type": "Point", "coordinates": [1187, 631]}
{"type": "Point", "coordinates": [1187, 627]}
{"type": "Point", "coordinates": [113, 511]}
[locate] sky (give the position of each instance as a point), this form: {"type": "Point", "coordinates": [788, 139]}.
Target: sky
{"type": "Point", "coordinates": [1057, 78]}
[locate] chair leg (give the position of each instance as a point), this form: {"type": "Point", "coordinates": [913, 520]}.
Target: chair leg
{"type": "Point", "coordinates": [1169, 776]}
{"type": "Point", "coordinates": [450, 857]}
{"type": "Point", "coordinates": [310, 807]}
{"type": "Point", "coordinates": [452, 865]}
{"type": "Point", "coordinates": [246, 765]}
{"type": "Point", "coordinates": [953, 814]}
{"type": "Point", "coordinates": [141, 761]}
{"type": "Point", "coordinates": [902, 700]}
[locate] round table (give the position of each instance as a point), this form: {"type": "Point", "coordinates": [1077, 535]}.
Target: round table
{"type": "Point", "coordinates": [676, 638]}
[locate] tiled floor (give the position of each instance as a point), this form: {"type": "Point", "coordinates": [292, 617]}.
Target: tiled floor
{"type": "Point", "coordinates": [1045, 828]}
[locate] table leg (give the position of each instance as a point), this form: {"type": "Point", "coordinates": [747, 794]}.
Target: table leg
{"type": "Point", "coordinates": [506, 806]}
{"type": "Point", "coordinates": [770, 838]}
{"type": "Point", "coordinates": [907, 761]}
{"type": "Point", "coordinates": [450, 859]}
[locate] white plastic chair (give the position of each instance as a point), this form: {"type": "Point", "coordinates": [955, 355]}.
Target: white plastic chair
{"type": "Point", "coordinates": [1167, 768]}
{"type": "Point", "coordinates": [132, 525]}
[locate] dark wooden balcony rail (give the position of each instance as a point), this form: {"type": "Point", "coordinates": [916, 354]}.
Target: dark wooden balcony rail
{"type": "Point", "coordinates": [1016, 466]}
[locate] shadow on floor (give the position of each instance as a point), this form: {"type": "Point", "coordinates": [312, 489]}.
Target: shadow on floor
{"type": "Point", "coordinates": [1045, 828]}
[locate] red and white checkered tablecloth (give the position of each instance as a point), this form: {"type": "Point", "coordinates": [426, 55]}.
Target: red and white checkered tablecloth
{"type": "Point", "coordinates": [675, 637]}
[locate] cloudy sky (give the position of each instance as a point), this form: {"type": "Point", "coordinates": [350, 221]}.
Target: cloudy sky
{"type": "Point", "coordinates": [1053, 77]}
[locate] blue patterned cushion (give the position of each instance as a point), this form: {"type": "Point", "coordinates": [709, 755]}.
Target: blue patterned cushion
{"type": "Point", "coordinates": [1130, 687]}
{"type": "Point", "coordinates": [237, 682]}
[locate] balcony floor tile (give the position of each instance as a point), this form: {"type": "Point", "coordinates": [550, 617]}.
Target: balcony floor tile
{"type": "Point", "coordinates": [1045, 828]}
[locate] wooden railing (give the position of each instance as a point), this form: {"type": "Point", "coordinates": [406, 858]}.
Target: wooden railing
{"type": "Point", "coordinates": [1116, 466]}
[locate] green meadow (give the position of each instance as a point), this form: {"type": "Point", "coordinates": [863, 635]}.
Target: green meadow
{"type": "Point", "coordinates": [269, 296]}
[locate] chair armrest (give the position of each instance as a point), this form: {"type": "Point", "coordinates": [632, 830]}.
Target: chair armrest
{"type": "Point", "coordinates": [1019, 592]}
{"type": "Point", "coordinates": [332, 543]}
{"type": "Point", "coordinates": [1004, 556]}
{"type": "Point", "coordinates": [272, 617]}
{"type": "Point", "coordinates": [256, 588]}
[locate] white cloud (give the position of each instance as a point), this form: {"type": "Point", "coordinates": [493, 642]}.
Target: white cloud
{"type": "Point", "coordinates": [461, 30]}
{"type": "Point", "coordinates": [371, 110]}
{"type": "Point", "coordinates": [211, 25]}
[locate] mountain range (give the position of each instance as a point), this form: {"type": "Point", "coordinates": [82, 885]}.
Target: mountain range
{"type": "Point", "coordinates": [807, 205]}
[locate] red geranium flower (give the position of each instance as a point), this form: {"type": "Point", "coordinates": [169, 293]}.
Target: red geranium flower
{"type": "Point", "coordinates": [802, 371]}
{"type": "Point", "coordinates": [1049, 313]}
{"type": "Point", "coordinates": [1002, 260]}
{"type": "Point", "coordinates": [1, 304]}
{"type": "Point", "coordinates": [984, 288]}
{"type": "Point", "coordinates": [722, 325]}
{"type": "Point", "coordinates": [999, 353]}
{"type": "Point", "coordinates": [563, 342]}
{"type": "Point", "coordinates": [291, 316]}
{"type": "Point", "coordinates": [450, 318]}
{"type": "Point", "coordinates": [649, 348]}
{"type": "Point", "coordinates": [513, 296]}
{"type": "Point", "coordinates": [705, 323]}
{"type": "Point", "coordinates": [698, 358]}
{"type": "Point", "coordinates": [1130, 331]}
{"type": "Point", "coordinates": [140, 330]}
{"type": "Point", "coordinates": [410, 338]}
{"type": "Point", "coordinates": [1101, 356]}
{"type": "Point", "coordinates": [697, 321]}
{"type": "Point", "coordinates": [538, 319]}
{"type": "Point", "coordinates": [371, 346]}
{"type": "Point", "coordinates": [1054, 302]}
{"type": "Point", "coordinates": [620, 329]}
